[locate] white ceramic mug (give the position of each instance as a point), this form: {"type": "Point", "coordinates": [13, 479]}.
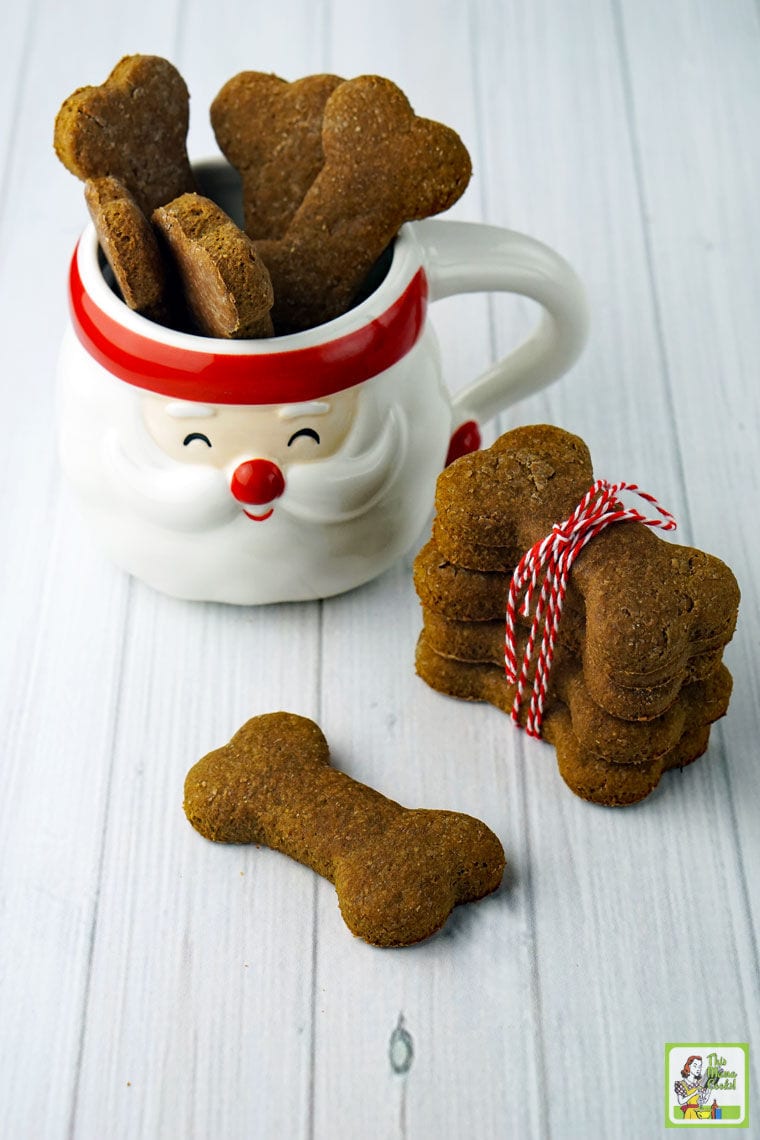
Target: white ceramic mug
{"type": "Point", "coordinates": [299, 466]}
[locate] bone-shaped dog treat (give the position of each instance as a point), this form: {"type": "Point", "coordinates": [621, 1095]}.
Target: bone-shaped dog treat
{"type": "Point", "coordinates": [383, 166]}
{"type": "Point", "coordinates": [483, 642]}
{"type": "Point", "coordinates": [397, 872]}
{"type": "Point", "coordinates": [650, 605]}
{"type": "Point", "coordinates": [680, 738]}
{"type": "Point", "coordinates": [129, 244]}
{"type": "Point", "coordinates": [618, 740]}
{"type": "Point", "coordinates": [636, 678]}
{"type": "Point", "coordinates": [225, 285]}
{"type": "Point", "coordinates": [271, 132]}
{"type": "Point", "coordinates": [133, 127]}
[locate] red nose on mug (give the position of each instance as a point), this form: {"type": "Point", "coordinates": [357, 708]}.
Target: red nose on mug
{"type": "Point", "coordinates": [257, 481]}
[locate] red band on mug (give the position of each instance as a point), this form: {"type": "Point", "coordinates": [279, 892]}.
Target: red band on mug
{"type": "Point", "coordinates": [287, 377]}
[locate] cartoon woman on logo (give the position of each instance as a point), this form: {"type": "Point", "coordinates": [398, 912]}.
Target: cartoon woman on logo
{"type": "Point", "coordinates": [692, 1091]}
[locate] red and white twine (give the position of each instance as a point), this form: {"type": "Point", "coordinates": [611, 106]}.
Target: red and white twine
{"type": "Point", "coordinates": [545, 568]}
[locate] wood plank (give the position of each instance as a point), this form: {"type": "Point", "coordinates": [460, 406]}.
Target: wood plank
{"type": "Point", "coordinates": [395, 734]}
{"type": "Point", "coordinates": [199, 1014]}
{"type": "Point", "coordinates": [581, 194]}
{"type": "Point", "coordinates": [211, 1029]}
{"type": "Point", "coordinates": [392, 732]}
{"type": "Point", "coordinates": [701, 145]}
{"type": "Point", "coordinates": [63, 610]}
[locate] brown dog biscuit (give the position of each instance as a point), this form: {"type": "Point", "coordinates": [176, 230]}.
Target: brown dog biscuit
{"type": "Point", "coordinates": [133, 127]}
{"type": "Point", "coordinates": [474, 641]}
{"type": "Point", "coordinates": [618, 785]}
{"type": "Point", "coordinates": [458, 593]}
{"type": "Point", "coordinates": [492, 506]}
{"type": "Point", "coordinates": [483, 641]}
{"type": "Point", "coordinates": [679, 738]}
{"type": "Point", "coordinates": [599, 734]}
{"type": "Point", "coordinates": [625, 741]}
{"type": "Point", "coordinates": [462, 594]}
{"type": "Point", "coordinates": [398, 872]}
{"type": "Point", "coordinates": [650, 605]}
{"type": "Point", "coordinates": [226, 287]}
{"type": "Point", "coordinates": [271, 132]}
{"type": "Point", "coordinates": [383, 166]}
{"type": "Point", "coordinates": [464, 617]}
{"type": "Point", "coordinates": [129, 245]}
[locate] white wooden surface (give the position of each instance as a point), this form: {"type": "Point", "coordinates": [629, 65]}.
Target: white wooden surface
{"type": "Point", "coordinates": [153, 985]}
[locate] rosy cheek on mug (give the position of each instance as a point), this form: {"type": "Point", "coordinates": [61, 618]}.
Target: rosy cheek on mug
{"type": "Point", "coordinates": [330, 439]}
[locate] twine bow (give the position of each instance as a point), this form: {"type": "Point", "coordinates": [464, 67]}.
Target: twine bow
{"type": "Point", "coordinates": [548, 564]}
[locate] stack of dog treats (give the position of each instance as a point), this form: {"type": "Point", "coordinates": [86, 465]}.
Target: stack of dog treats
{"type": "Point", "coordinates": [331, 169]}
{"type": "Point", "coordinates": [637, 677]}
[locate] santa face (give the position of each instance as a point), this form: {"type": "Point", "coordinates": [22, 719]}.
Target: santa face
{"type": "Point", "coordinates": [252, 446]}
{"type": "Point", "coordinates": [252, 504]}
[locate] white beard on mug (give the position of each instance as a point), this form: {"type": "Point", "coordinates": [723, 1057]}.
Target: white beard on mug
{"type": "Point", "coordinates": [195, 498]}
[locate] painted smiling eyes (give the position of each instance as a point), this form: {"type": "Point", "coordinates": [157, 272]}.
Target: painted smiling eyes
{"type": "Point", "coordinates": [308, 433]}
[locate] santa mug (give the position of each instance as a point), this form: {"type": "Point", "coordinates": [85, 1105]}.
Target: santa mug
{"type": "Point", "coordinates": [300, 466]}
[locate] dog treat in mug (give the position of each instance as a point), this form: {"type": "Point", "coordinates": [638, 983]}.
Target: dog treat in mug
{"type": "Point", "coordinates": [271, 132]}
{"type": "Point", "coordinates": [331, 169]}
{"type": "Point", "coordinates": [398, 872]}
{"type": "Point", "coordinates": [637, 675]}
{"type": "Point", "coordinates": [225, 286]}
{"type": "Point", "coordinates": [132, 127]}
{"type": "Point", "coordinates": [129, 245]}
{"type": "Point", "coordinates": [383, 166]}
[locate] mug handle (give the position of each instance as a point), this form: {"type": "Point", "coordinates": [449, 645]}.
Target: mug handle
{"type": "Point", "coordinates": [469, 257]}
